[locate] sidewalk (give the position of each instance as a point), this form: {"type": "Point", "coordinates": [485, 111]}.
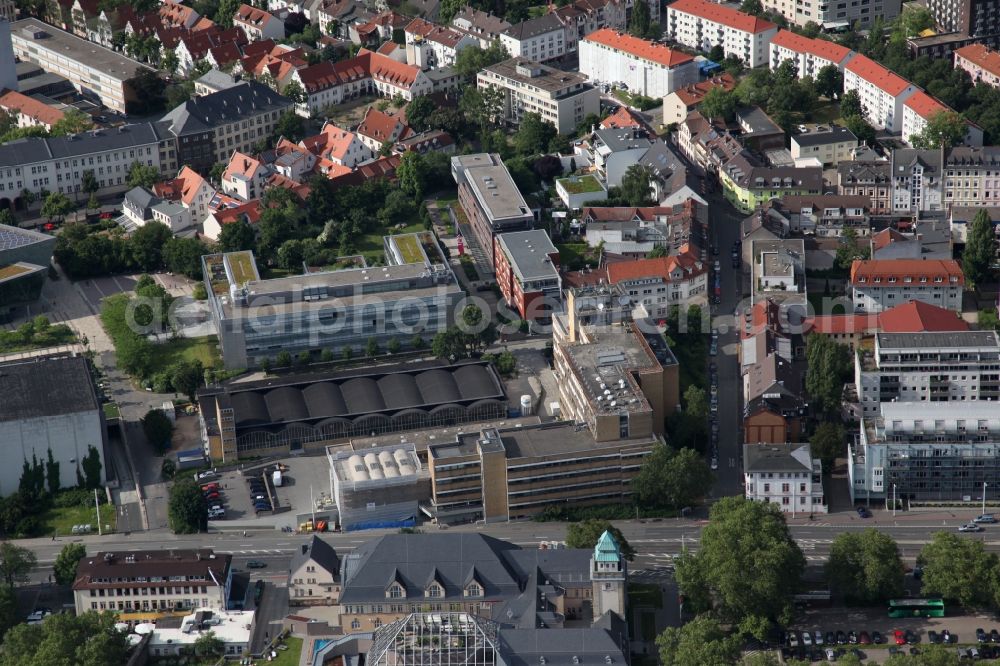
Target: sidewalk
{"type": "Point", "coordinates": [950, 516]}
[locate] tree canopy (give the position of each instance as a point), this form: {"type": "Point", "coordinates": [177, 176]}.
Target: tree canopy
{"type": "Point", "coordinates": [64, 568]}
{"type": "Point", "coordinates": [637, 187]}
{"type": "Point", "coordinates": [944, 129]}
{"type": "Point", "coordinates": [672, 478]}
{"type": "Point", "coordinates": [158, 429]}
{"type": "Point", "coordinates": [187, 508]}
{"type": "Point", "coordinates": [980, 248]}
{"type": "Point", "coordinates": [586, 533]}
{"type": "Point", "coordinates": [959, 570]}
{"type": "Point", "coordinates": [700, 642]}
{"type": "Point", "coordinates": [90, 639]}
{"type": "Point", "coordinates": [865, 567]}
{"type": "Point", "coordinates": [828, 365]}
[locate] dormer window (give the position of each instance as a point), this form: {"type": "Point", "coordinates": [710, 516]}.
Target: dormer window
{"type": "Point", "coordinates": [474, 590]}
{"type": "Point", "coordinates": [434, 591]}
{"type": "Point", "coordinates": [396, 591]}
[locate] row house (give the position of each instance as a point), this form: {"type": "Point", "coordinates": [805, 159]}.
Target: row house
{"type": "Point", "coordinates": [429, 45]}
{"type": "Point", "coordinates": [539, 39]}
{"type": "Point", "coordinates": [702, 25]}
{"type": "Point", "coordinates": [971, 176]}
{"type": "Point", "coordinates": [484, 26]}
{"type": "Point", "coordinates": [275, 67]}
{"type": "Point", "coordinates": [869, 178]}
{"type": "Point", "coordinates": [707, 144]}
{"type": "Point", "coordinates": [981, 62]}
{"type": "Point", "coordinates": [748, 185]}
{"type": "Point", "coordinates": [809, 55]}
{"type": "Point", "coordinates": [328, 83]}
{"type": "Point", "coordinates": [920, 107]}
{"type": "Point", "coordinates": [645, 67]}
{"type": "Point", "coordinates": [879, 284]}
{"type": "Point", "coordinates": [916, 180]}
{"type": "Point", "coordinates": [659, 284]}
{"type": "Point", "coordinates": [195, 47]}
{"type": "Point", "coordinates": [378, 128]}
{"type": "Point", "coordinates": [882, 92]}
{"type": "Point", "coordinates": [190, 190]}
{"type": "Point", "coordinates": [834, 16]}
{"type": "Point", "coordinates": [682, 101]}
{"type": "Point", "coordinates": [337, 149]}
{"type": "Point", "coordinates": [826, 215]}
{"type": "Point", "coordinates": [637, 231]}
{"type": "Point", "coordinates": [258, 24]}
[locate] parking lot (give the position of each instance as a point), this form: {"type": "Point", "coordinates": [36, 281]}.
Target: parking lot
{"type": "Point", "coordinates": [304, 481]}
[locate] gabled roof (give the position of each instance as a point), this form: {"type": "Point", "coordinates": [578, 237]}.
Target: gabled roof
{"type": "Point", "coordinates": [723, 15]}
{"type": "Point", "coordinates": [885, 237]}
{"type": "Point", "coordinates": [30, 107]}
{"type": "Point", "coordinates": [924, 105]}
{"type": "Point", "coordinates": [981, 56]}
{"type": "Point", "coordinates": [533, 27]}
{"type": "Point", "coordinates": [920, 317]}
{"type": "Point", "coordinates": [173, 13]}
{"type": "Point", "coordinates": [900, 269]}
{"type": "Point", "coordinates": [241, 165]}
{"type": "Point", "coordinates": [247, 99]}
{"type": "Point", "coordinates": [381, 126]}
{"type": "Point", "coordinates": [624, 117]}
{"type": "Point", "coordinates": [391, 71]}
{"type": "Point", "coordinates": [660, 267]}
{"type": "Point", "coordinates": [820, 48]}
{"type": "Point", "coordinates": [250, 211]}
{"type": "Point", "coordinates": [432, 32]}
{"type": "Point", "coordinates": [326, 74]}
{"type": "Point", "coordinates": [882, 78]}
{"type": "Point", "coordinates": [320, 553]}
{"type": "Point", "coordinates": [252, 16]}
{"type": "Point", "coordinates": [693, 93]}
{"type": "Point", "coordinates": [639, 48]}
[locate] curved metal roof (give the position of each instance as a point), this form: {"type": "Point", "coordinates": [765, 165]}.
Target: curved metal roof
{"type": "Point", "coordinates": [249, 408]}
{"type": "Point", "coordinates": [475, 381]}
{"type": "Point", "coordinates": [286, 404]}
{"type": "Point", "coordinates": [324, 398]}
{"type": "Point", "coordinates": [438, 386]}
{"type": "Point", "coordinates": [400, 391]}
{"type": "Point", "coordinates": [362, 395]}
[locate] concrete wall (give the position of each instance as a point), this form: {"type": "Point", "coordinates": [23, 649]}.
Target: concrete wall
{"type": "Point", "coordinates": [68, 436]}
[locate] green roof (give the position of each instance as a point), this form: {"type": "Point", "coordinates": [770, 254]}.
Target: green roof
{"type": "Point", "coordinates": [581, 184]}
{"type": "Point", "coordinates": [606, 549]}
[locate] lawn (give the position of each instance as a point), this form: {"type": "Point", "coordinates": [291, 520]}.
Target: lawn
{"type": "Point", "coordinates": [574, 256]}
{"type": "Point", "coordinates": [289, 657]}
{"type": "Point", "coordinates": [111, 410]}
{"type": "Point", "coordinates": [62, 519]}
{"type": "Point", "coordinates": [372, 247]}
{"type": "Point", "coordinates": [580, 184]}
{"type": "Point", "coordinates": [827, 112]}
{"type": "Point", "coordinates": [204, 349]}
{"type": "Point", "coordinates": [243, 267]}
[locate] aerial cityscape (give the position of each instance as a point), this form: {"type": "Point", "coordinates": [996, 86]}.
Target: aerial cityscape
{"type": "Point", "coordinates": [513, 333]}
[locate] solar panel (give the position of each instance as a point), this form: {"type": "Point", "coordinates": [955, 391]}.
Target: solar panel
{"type": "Point", "coordinates": [11, 238]}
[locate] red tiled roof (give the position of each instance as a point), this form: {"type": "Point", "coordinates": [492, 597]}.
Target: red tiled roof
{"type": "Point", "coordinates": [223, 54]}
{"type": "Point", "coordinates": [915, 269]}
{"type": "Point", "coordinates": [251, 210]}
{"type": "Point", "coordinates": [327, 74]}
{"type": "Point", "coordinates": [241, 164]}
{"type": "Point", "coordinates": [30, 107]}
{"type": "Point", "coordinates": [639, 48]}
{"type": "Point", "coordinates": [877, 75]}
{"type": "Point", "coordinates": [693, 93]}
{"type": "Point", "coordinates": [924, 105]}
{"type": "Point", "coordinates": [622, 118]}
{"type": "Point", "coordinates": [173, 13]}
{"type": "Point", "coordinates": [818, 47]}
{"type": "Point", "coordinates": [917, 317]}
{"type": "Point", "coordinates": [660, 267]}
{"type": "Point", "coordinates": [840, 324]}
{"type": "Point", "coordinates": [980, 55]}
{"type": "Point", "coordinates": [435, 33]}
{"type": "Point", "coordinates": [380, 126]}
{"type": "Point", "coordinates": [252, 16]}
{"type": "Point", "coordinates": [885, 237]}
{"type": "Point", "coordinates": [259, 47]}
{"type": "Point", "coordinates": [391, 71]}
{"type": "Point", "coordinates": [723, 15]}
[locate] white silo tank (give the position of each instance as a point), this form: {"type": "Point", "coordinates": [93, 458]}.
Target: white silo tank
{"type": "Point", "coordinates": [525, 405]}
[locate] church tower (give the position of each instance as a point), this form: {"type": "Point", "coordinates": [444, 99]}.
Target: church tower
{"type": "Point", "coordinates": [607, 575]}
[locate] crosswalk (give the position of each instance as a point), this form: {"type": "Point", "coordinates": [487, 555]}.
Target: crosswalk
{"type": "Point", "coordinates": [269, 551]}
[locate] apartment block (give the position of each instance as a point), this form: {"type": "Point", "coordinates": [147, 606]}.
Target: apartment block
{"type": "Point", "coordinates": [809, 55]}
{"type": "Point", "coordinates": [830, 144]}
{"type": "Point", "coordinates": [981, 62]}
{"type": "Point", "coordinates": [920, 107]}
{"type": "Point", "coordinates": [646, 67]}
{"type": "Point", "coordinates": [561, 98]}
{"type": "Point", "coordinates": [825, 215]}
{"type": "Point", "coordinates": [785, 475]}
{"type": "Point", "coordinates": [956, 366]}
{"type": "Point", "coordinates": [541, 38]}
{"type": "Point", "coordinates": [971, 176]}
{"type": "Point", "coordinates": [145, 585]}
{"type": "Point", "coordinates": [926, 452]}
{"type": "Point", "coordinates": [94, 71]}
{"type": "Point", "coordinates": [835, 16]}
{"type": "Point", "coordinates": [489, 198]}
{"type": "Point", "coordinates": [879, 284]}
{"type": "Point", "coordinates": [701, 25]}
{"type": "Point", "coordinates": [747, 184]}
{"type": "Point", "coordinates": [527, 270]}
{"type": "Point", "coordinates": [882, 92]}
{"type": "Point", "coordinates": [917, 182]}
{"type": "Point", "coordinates": [871, 179]}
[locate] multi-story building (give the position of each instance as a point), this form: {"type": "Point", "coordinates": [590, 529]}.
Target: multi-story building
{"type": "Point", "coordinates": [93, 70]}
{"type": "Point", "coordinates": [58, 164]}
{"type": "Point", "coordinates": [344, 308]}
{"type": "Point", "coordinates": [809, 55]}
{"type": "Point", "coordinates": [778, 271]}
{"type": "Point", "coordinates": [29, 111]}
{"type": "Point", "coordinates": [915, 451]}
{"type": "Point", "coordinates": [882, 92]}
{"type": "Point", "coordinates": [917, 181]}
{"type": "Point", "coordinates": [701, 25]}
{"type": "Point", "coordinates": [141, 206]}
{"type": "Point", "coordinates": [678, 104]}
{"type": "Point", "coordinates": [145, 585]}
{"type": "Point", "coordinates": [618, 379]}
{"type": "Point", "coordinates": [920, 107]}
{"type": "Point", "coordinates": [258, 24]}
{"type": "Point", "coordinates": [786, 475]}
{"type": "Point", "coordinates": [314, 574]}
{"type": "Point", "coordinates": [209, 128]}
{"type": "Point", "coordinates": [829, 144]}
{"type": "Point", "coordinates": [527, 271]}
{"type": "Point", "coordinates": [748, 185]}
{"type": "Point", "coordinates": [244, 177]}
{"type": "Point", "coordinates": [870, 179]}
{"type": "Point", "coordinates": [645, 67]}
{"type": "Point", "coordinates": [879, 284]}
{"type": "Point", "coordinates": [429, 45]}
{"type": "Point", "coordinates": [660, 284]}
{"type": "Point", "coordinates": [190, 189]}
{"type": "Point", "coordinates": [834, 16]}
{"type": "Point", "coordinates": [970, 177]}
{"type": "Point", "coordinates": [981, 62]}
{"type": "Point", "coordinates": [514, 473]}
{"type": "Point", "coordinates": [561, 98]}
{"type": "Point", "coordinates": [825, 214]}
{"type": "Point", "coordinates": [484, 26]}
{"type": "Point", "coordinates": [955, 366]}
{"type": "Point", "coordinates": [489, 198]}
{"type": "Point", "coordinates": [539, 39]}
{"type": "Point", "coordinates": [378, 128]}
{"type": "Point", "coordinates": [971, 21]}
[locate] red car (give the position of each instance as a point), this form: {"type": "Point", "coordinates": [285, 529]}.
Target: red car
{"type": "Point", "coordinates": [48, 226]}
{"type": "Point", "coordinates": [210, 486]}
{"type": "Point", "coordinates": [214, 496]}
{"type": "Point", "coordinates": [105, 216]}
{"type": "Point", "coordinates": [900, 637]}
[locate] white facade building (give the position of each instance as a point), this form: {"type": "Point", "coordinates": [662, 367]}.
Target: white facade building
{"type": "Point", "coordinates": [882, 92]}
{"type": "Point", "coordinates": [539, 39]}
{"type": "Point", "coordinates": [880, 284]}
{"type": "Point", "coordinates": [809, 55]}
{"type": "Point", "coordinates": [957, 366]}
{"type": "Point", "coordinates": [920, 107]}
{"type": "Point", "coordinates": [647, 68]}
{"type": "Point", "coordinates": [700, 24]}
{"type": "Point", "coordinates": [786, 475]}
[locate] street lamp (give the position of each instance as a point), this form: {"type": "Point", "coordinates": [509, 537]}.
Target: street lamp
{"type": "Point", "coordinates": [983, 512]}
{"type": "Point", "coordinates": [894, 500]}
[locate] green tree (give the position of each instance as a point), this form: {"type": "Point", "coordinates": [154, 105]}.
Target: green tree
{"type": "Point", "coordinates": [828, 443]}
{"type": "Point", "coordinates": [142, 175]}
{"type": "Point", "coordinates": [52, 473]}
{"type": "Point", "coordinates": [717, 53]}
{"type": "Point", "coordinates": [371, 347]}
{"type": "Point", "coordinates": [533, 134]}
{"type": "Point", "coordinates": [393, 345]}
{"type": "Point", "coordinates": [291, 126]}
{"type": "Point", "coordinates": [828, 365]}
{"type": "Point", "coordinates": [753, 7]}
{"type": "Point", "coordinates": [16, 563]}
{"type": "Point", "coordinates": [89, 639]}
{"type": "Point", "coordinates": [980, 249]}
{"type": "Point", "coordinates": [748, 564]}
{"type": "Point", "coordinates": [657, 252]}
{"type": "Point", "coordinates": [227, 10]}
{"type": "Point", "coordinates": [450, 344]}
{"type": "Point", "coordinates": [291, 254]}
{"type": "Point", "coordinates": [147, 243]}
{"type": "Point", "coordinates": [73, 121]}
{"type": "Point", "coordinates": [988, 320]}
{"type": "Point", "coordinates": [93, 203]}
{"type": "Point", "coordinates": [830, 82]}
{"type": "Point", "coordinates": [865, 567]}
{"type": "Point", "coordinates": [419, 111]}
{"type": "Point", "coordinates": [718, 103]}
{"type": "Point", "coordinates": [700, 642]}
{"type": "Point", "coordinates": [64, 568]}
{"type": "Point", "coordinates": [472, 59]}
{"type": "Point", "coordinates": [92, 468]}
{"type": "Point", "coordinates": [57, 206]}
{"type": "Point", "coordinates": [916, 19]}
{"type": "Point", "coordinates": [293, 90]}
{"type": "Point", "coordinates": [585, 534]}
{"type": "Point", "coordinates": [850, 249]}
{"type": "Point", "coordinates": [411, 175]}
{"type": "Point", "coordinates": [169, 62]}
{"type": "Point", "coordinates": [209, 645]}
{"type": "Point", "coordinates": [235, 236]}
{"type": "Point", "coordinates": [187, 508]}
{"type": "Point", "coordinates": [9, 616]}
{"type": "Point", "coordinates": [186, 377]}
{"type": "Point", "coordinates": [861, 129]}
{"type": "Point", "coordinates": [636, 187]}
{"type": "Point", "coordinates": [672, 478]}
{"type": "Point", "coordinates": [158, 430]}
{"type": "Point", "coordinates": [850, 105]}
{"type": "Point", "coordinates": [641, 21]}
{"type": "Point", "coordinates": [283, 360]}
{"type": "Point", "coordinates": [183, 256]}
{"type": "Point", "coordinates": [959, 570]}
{"type": "Point", "coordinates": [944, 129]}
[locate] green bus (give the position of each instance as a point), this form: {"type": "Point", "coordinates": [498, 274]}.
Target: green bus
{"type": "Point", "coordinates": [916, 608]}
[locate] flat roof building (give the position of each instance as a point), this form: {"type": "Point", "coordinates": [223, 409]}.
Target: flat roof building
{"type": "Point", "coordinates": [527, 270]}
{"type": "Point", "coordinates": [176, 635]}
{"type": "Point", "coordinates": [94, 70]}
{"type": "Point", "coordinates": [25, 256]}
{"type": "Point", "coordinates": [377, 487]}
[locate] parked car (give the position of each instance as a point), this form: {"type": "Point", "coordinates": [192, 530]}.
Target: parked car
{"type": "Point", "coordinates": [831, 655]}
{"type": "Point", "coordinates": [945, 636]}
{"type": "Point", "coordinates": [970, 527]}
{"type": "Point", "coordinates": [807, 639]}
{"type": "Point", "coordinates": [212, 496]}
{"type": "Point", "coordinates": [818, 638]}
{"type": "Point", "coordinates": [864, 638]}
{"type": "Point", "coordinates": [256, 564]}
{"type": "Point", "coordinates": [981, 635]}
{"type": "Point", "coordinates": [877, 638]}
{"type": "Point", "coordinates": [841, 638]}
{"type": "Point", "coordinates": [994, 636]}
{"type": "Point", "coordinates": [210, 486]}
{"type": "Point", "coordinates": [863, 512]}
{"type": "Point", "coordinates": [899, 637]}
{"type": "Point", "coordinates": [831, 638]}
{"type": "Point", "coordinates": [207, 474]}
{"type": "Point", "coordinates": [933, 637]}
{"type": "Point", "coordinates": [985, 518]}
{"type": "Point", "coordinates": [911, 637]}
{"type": "Point", "coordinates": [852, 637]}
